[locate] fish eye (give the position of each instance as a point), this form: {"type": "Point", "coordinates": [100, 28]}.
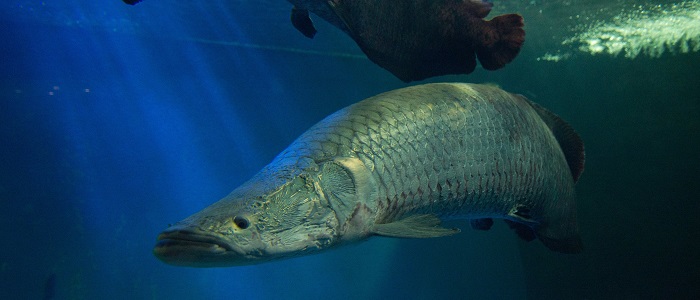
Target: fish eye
{"type": "Point", "coordinates": [241, 222]}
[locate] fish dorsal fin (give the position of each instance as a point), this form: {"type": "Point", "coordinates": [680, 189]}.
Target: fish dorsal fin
{"type": "Point", "coordinates": [416, 226]}
{"type": "Point", "coordinates": [569, 141]}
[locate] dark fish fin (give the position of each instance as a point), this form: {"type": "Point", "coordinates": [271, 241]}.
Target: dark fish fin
{"type": "Point", "coordinates": [569, 141]}
{"type": "Point", "coordinates": [416, 226]}
{"type": "Point", "coordinates": [523, 231]}
{"type": "Point", "coordinates": [302, 22]}
{"type": "Point", "coordinates": [522, 214]}
{"type": "Point", "coordinates": [556, 238]}
{"type": "Point", "coordinates": [522, 222]}
{"type": "Point", "coordinates": [132, 2]}
{"type": "Point", "coordinates": [480, 8]}
{"type": "Point", "coordinates": [481, 224]}
{"type": "Point", "coordinates": [503, 37]}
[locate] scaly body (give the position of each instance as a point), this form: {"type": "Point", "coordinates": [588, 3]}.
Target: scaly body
{"type": "Point", "coordinates": [393, 165]}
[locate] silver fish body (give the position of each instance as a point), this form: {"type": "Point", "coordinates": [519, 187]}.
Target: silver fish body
{"type": "Point", "coordinates": [395, 165]}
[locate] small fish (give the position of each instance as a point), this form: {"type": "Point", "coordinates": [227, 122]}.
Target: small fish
{"type": "Point", "coordinates": [396, 165]}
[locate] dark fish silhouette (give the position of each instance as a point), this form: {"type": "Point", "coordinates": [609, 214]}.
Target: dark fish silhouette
{"type": "Point", "coordinates": [418, 39]}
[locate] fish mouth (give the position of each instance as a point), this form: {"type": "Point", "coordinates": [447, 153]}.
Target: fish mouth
{"type": "Point", "coordinates": [190, 247]}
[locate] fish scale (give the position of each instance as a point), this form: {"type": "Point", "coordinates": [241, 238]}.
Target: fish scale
{"type": "Point", "coordinates": [395, 165]}
{"type": "Point", "coordinates": [441, 133]}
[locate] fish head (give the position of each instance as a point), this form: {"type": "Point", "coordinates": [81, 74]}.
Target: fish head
{"type": "Point", "coordinates": [265, 219]}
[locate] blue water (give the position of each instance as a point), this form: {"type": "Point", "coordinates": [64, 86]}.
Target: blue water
{"type": "Point", "coordinates": [116, 121]}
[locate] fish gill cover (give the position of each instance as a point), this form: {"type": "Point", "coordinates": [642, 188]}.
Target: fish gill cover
{"type": "Point", "coordinates": [649, 30]}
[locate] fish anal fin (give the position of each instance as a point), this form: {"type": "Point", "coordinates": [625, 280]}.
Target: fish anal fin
{"type": "Point", "coordinates": [557, 237]}
{"type": "Point", "coordinates": [416, 226]}
{"type": "Point", "coordinates": [481, 224]}
{"type": "Point", "coordinates": [302, 22]}
{"type": "Point", "coordinates": [524, 232]}
{"type": "Point", "coordinates": [521, 222]}
{"type": "Point", "coordinates": [502, 39]}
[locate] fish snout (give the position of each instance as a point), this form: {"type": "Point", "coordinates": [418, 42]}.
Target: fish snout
{"type": "Point", "coordinates": [185, 246]}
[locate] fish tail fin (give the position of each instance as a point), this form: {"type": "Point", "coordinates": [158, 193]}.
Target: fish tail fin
{"type": "Point", "coordinates": [502, 40]}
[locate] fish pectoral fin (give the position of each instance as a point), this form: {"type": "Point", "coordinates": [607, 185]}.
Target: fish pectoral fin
{"type": "Point", "coordinates": [416, 226]}
{"type": "Point", "coordinates": [521, 213]}
{"type": "Point", "coordinates": [521, 222]}
{"type": "Point", "coordinates": [302, 22]}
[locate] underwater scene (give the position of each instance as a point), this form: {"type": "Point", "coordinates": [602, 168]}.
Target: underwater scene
{"type": "Point", "coordinates": [119, 121]}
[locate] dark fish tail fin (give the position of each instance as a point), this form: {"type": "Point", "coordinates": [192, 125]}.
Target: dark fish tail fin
{"type": "Point", "coordinates": [132, 2]}
{"type": "Point", "coordinates": [502, 39]}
